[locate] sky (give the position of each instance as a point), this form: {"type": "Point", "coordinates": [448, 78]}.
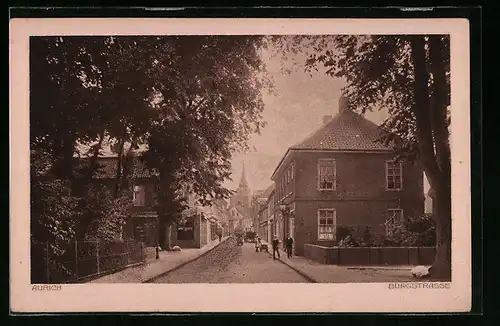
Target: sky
{"type": "Point", "coordinates": [292, 113]}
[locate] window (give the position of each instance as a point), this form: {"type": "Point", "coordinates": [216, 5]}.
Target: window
{"type": "Point", "coordinates": [139, 195]}
{"type": "Point", "coordinates": [394, 219]}
{"type": "Point", "coordinates": [185, 231]}
{"type": "Point", "coordinates": [326, 224]}
{"type": "Point", "coordinates": [326, 174]}
{"type": "Point", "coordinates": [394, 173]}
{"type": "Point", "coordinates": [291, 171]}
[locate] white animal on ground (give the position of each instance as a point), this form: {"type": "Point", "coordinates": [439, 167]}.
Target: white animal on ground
{"type": "Point", "coordinates": [419, 271]}
{"type": "Point", "coordinates": [176, 248]}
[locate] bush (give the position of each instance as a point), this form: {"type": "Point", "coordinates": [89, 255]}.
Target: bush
{"type": "Point", "coordinates": [344, 232]}
{"type": "Point", "coordinates": [419, 231]}
{"type": "Point", "coordinates": [348, 242]}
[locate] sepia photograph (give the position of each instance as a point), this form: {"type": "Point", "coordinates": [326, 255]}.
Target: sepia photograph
{"type": "Point", "coordinates": [249, 159]}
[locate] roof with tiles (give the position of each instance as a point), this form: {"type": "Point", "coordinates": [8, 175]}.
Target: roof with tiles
{"type": "Point", "coordinates": [346, 131]}
{"type": "Point", "coordinates": [107, 168]}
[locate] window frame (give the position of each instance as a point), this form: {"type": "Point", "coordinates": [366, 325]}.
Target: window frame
{"type": "Point", "coordinates": [393, 175]}
{"type": "Point", "coordinates": [318, 174]}
{"type": "Point", "coordinates": [334, 223]}
{"type": "Point", "coordinates": [134, 196]}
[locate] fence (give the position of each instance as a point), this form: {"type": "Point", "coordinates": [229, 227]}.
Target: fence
{"type": "Point", "coordinates": [81, 260]}
{"type": "Point", "coordinates": [370, 255]}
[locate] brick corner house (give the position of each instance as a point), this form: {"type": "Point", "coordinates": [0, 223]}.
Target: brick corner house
{"type": "Point", "coordinates": [342, 176]}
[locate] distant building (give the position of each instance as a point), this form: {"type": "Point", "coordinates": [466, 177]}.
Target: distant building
{"type": "Point", "coordinates": [259, 211]}
{"type": "Point", "coordinates": [242, 195]}
{"type": "Point", "coordinates": [235, 219]}
{"type": "Point", "coordinates": [241, 201]}
{"type": "Point", "coordinates": [341, 176]}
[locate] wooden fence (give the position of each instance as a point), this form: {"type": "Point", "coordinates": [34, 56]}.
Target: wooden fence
{"type": "Point", "coordinates": [370, 255]}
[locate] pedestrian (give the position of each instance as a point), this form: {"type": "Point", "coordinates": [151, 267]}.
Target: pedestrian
{"type": "Point", "coordinates": [220, 237]}
{"type": "Point", "coordinates": [257, 244]}
{"type": "Point", "coordinates": [289, 246]}
{"type": "Point", "coordinates": [276, 243]}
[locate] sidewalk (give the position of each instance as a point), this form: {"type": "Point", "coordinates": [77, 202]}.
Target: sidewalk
{"type": "Point", "coordinates": [322, 273]}
{"type": "Point", "coordinates": [152, 268]}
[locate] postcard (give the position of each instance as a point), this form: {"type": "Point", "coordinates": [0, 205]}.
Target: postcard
{"type": "Point", "coordinates": [239, 165]}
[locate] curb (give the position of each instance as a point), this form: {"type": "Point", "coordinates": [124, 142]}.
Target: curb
{"type": "Point", "coordinates": [154, 278]}
{"type": "Point", "coordinates": [378, 269]}
{"type": "Point", "coordinates": [304, 275]}
{"type": "Point", "coordinates": [90, 279]}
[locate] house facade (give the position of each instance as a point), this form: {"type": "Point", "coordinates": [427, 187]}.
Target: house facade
{"type": "Point", "coordinates": [270, 208]}
{"type": "Point", "coordinates": [261, 221]}
{"type": "Point", "coordinates": [235, 219]}
{"type": "Point", "coordinates": [257, 204]}
{"type": "Point", "coordinates": [341, 176]}
{"type": "Point", "coordinates": [199, 224]}
{"type": "Point", "coordinates": [142, 222]}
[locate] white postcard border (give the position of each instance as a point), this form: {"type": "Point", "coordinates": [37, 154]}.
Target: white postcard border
{"type": "Point", "coordinates": [361, 297]}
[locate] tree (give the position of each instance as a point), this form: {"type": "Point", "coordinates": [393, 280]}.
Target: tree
{"type": "Point", "coordinates": [192, 101]}
{"type": "Point", "coordinates": [409, 76]}
{"type": "Point", "coordinates": [206, 112]}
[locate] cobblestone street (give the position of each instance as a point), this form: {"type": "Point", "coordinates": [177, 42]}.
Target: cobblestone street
{"type": "Point", "coordinates": [229, 263]}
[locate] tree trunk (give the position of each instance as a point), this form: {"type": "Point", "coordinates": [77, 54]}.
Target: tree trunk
{"type": "Point", "coordinates": [85, 221]}
{"type": "Point", "coordinates": [95, 155]}
{"type": "Point", "coordinates": [161, 231]}
{"type": "Point", "coordinates": [168, 243]}
{"type": "Point", "coordinates": [436, 166]}
{"type": "Point", "coordinates": [441, 267]}
{"type": "Point", "coordinates": [439, 102]}
{"type": "Point", "coordinates": [119, 168]}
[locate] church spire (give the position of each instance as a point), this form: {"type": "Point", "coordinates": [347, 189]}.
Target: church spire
{"type": "Point", "coordinates": [243, 181]}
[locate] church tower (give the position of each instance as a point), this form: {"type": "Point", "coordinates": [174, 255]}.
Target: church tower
{"type": "Point", "coordinates": [242, 195]}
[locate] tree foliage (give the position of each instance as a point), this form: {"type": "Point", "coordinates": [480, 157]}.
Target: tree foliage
{"type": "Point", "coordinates": [409, 76]}
{"type": "Point", "coordinates": [190, 101]}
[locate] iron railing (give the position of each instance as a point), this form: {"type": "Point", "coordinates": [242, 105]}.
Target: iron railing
{"type": "Point", "coordinates": [79, 261]}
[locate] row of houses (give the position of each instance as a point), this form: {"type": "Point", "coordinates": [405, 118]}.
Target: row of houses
{"type": "Point", "coordinates": [340, 175]}
{"type": "Point", "coordinates": [198, 226]}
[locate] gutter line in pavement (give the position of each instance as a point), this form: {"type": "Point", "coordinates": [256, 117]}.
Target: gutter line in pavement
{"type": "Point", "coordinates": [304, 275]}
{"type": "Point", "coordinates": [154, 278]}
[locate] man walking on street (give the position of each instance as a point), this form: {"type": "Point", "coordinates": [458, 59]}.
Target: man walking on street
{"type": "Point", "coordinates": [220, 237]}
{"type": "Point", "coordinates": [289, 246]}
{"type": "Point", "coordinates": [276, 244]}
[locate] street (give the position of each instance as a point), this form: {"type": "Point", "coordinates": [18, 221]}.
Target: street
{"type": "Point", "coordinates": [229, 263]}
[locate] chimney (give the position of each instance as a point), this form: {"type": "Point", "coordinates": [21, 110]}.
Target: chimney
{"type": "Point", "coordinates": [343, 101]}
{"type": "Point", "coordinates": [326, 119]}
